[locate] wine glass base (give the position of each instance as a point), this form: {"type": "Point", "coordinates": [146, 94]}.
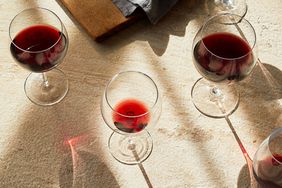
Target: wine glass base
{"type": "Point", "coordinates": [129, 149]}
{"type": "Point", "coordinates": [216, 105]}
{"type": "Point", "coordinates": [43, 93]}
{"type": "Point", "coordinates": [223, 6]}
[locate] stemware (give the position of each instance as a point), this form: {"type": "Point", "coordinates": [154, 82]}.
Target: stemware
{"type": "Point", "coordinates": [130, 105]}
{"type": "Point", "coordinates": [238, 7]}
{"type": "Point", "coordinates": [267, 161]}
{"type": "Point", "coordinates": [39, 43]}
{"type": "Point", "coordinates": [224, 51]}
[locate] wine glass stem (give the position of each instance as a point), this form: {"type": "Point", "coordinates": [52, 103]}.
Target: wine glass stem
{"type": "Point", "coordinates": [45, 80]}
{"type": "Point", "coordinates": [216, 96]}
{"type": "Point", "coordinates": [131, 144]}
{"type": "Point", "coordinates": [227, 2]}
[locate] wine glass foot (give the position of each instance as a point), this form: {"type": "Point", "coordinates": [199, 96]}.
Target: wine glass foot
{"type": "Point", "coordinates": [217, 101]}
{"type": "Point", "coordinates": [238, 7]}
{"type": "Point", "coordinates": [129, 149]}
{"type": "Point", "coordinates": [46, 88]}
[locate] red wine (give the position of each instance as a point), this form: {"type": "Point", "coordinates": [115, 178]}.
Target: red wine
{"type": "Point", "coordinates": [222, 56]}
{"type": "Point", "coordinates": [39, 47]}
{"type": "Point", "coordinates": [269, 172]}
{"type": "Point", "coordinates": [125, 114]}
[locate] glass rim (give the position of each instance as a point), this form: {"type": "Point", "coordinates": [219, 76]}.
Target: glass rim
{"type": "Point", "coordinates": [36, 51]}
{"type": "Point", "coordinates": [127, 116]}
{"type": "Point", "coordinates": [232, 23]}
{"type": "Point", "coordinates": [271, 137]}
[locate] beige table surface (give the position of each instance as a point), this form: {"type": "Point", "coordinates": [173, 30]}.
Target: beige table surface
{"type": "Point", "coordinates": [190, 149]}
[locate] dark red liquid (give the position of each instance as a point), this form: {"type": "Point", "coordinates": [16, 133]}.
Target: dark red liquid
{"type": "Point", "coordinates": [269, 172]}
{"type": "Point", "coordinates": [124, 119]}
{"type": "Point", "coordinates": [39, 48]}
{"type": "Point", "coordinates": [222, 56]}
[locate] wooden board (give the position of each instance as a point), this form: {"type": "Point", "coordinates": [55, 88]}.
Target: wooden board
{"type": "Point", "coordinates": [100, 18]}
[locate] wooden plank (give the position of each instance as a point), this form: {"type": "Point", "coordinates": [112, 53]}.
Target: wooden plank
{"type": "Point", "coordinates": [100, 18]}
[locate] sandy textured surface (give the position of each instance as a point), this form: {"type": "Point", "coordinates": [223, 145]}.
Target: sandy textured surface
{"type": "Point", "coordinates": [190, 149]}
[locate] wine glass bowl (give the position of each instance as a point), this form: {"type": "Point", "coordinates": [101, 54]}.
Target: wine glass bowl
{"type": "Point", "coordinates": [224, 51]}
{"type": "Point", "coordinates": [130, 106]}
{"type": "Point", "coordinates": [267, 161]}
{"type": "Point", "coordinates": [39, 43]}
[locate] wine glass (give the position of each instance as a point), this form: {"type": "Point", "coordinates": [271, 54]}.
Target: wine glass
{"type": "Point", "coordinates": [224, 51]}
{"type": "Point", "coordinates": [267, 162]}
{"type": "Point", "coordinates": [39, 43]}
{"type": "Point", "coordinates": [238, 7]}
{"type": "Point", "coordinates": [130, 105]}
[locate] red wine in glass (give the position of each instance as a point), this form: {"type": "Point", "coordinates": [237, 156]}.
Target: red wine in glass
{"type": "Point", "coordinates": [269, 169]}
{"type": "Point", "coordinates": [39, 47]}
{"type": "Point", "coordinates": [130, 110]}
{"type": "Point", "coordinates": [224, 51]}
{"type": "Point", "coordinates": [223, 55]}
{"type": "Point", "coordinates": [131, 116]}
{"type": "Point", "coordinates": [39, 42]}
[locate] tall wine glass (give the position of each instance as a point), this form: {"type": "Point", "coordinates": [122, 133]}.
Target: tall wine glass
{"type": "Point", "coordinates": [130, 105]}
{"type": "Point", "coordinates": [224, 51]}
{"type": "Point", "coordinates": [267, 162]}
{"type": "Point", "coordinates": [238, 7]}
{"type": "Point", "coordinates": [39, 43]}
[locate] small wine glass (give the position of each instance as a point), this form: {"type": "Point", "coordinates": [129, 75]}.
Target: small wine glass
{"type": "Point", "coordinates": [130, 105]}
{"type": "Point", "coordinates": [238, 7]}
{"type": "Point", "coordinates": [39, 43]}
{"type": "Point", "coordinates": [267, 162]}
{"type": "Point", "coordinates": [224, 51]}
